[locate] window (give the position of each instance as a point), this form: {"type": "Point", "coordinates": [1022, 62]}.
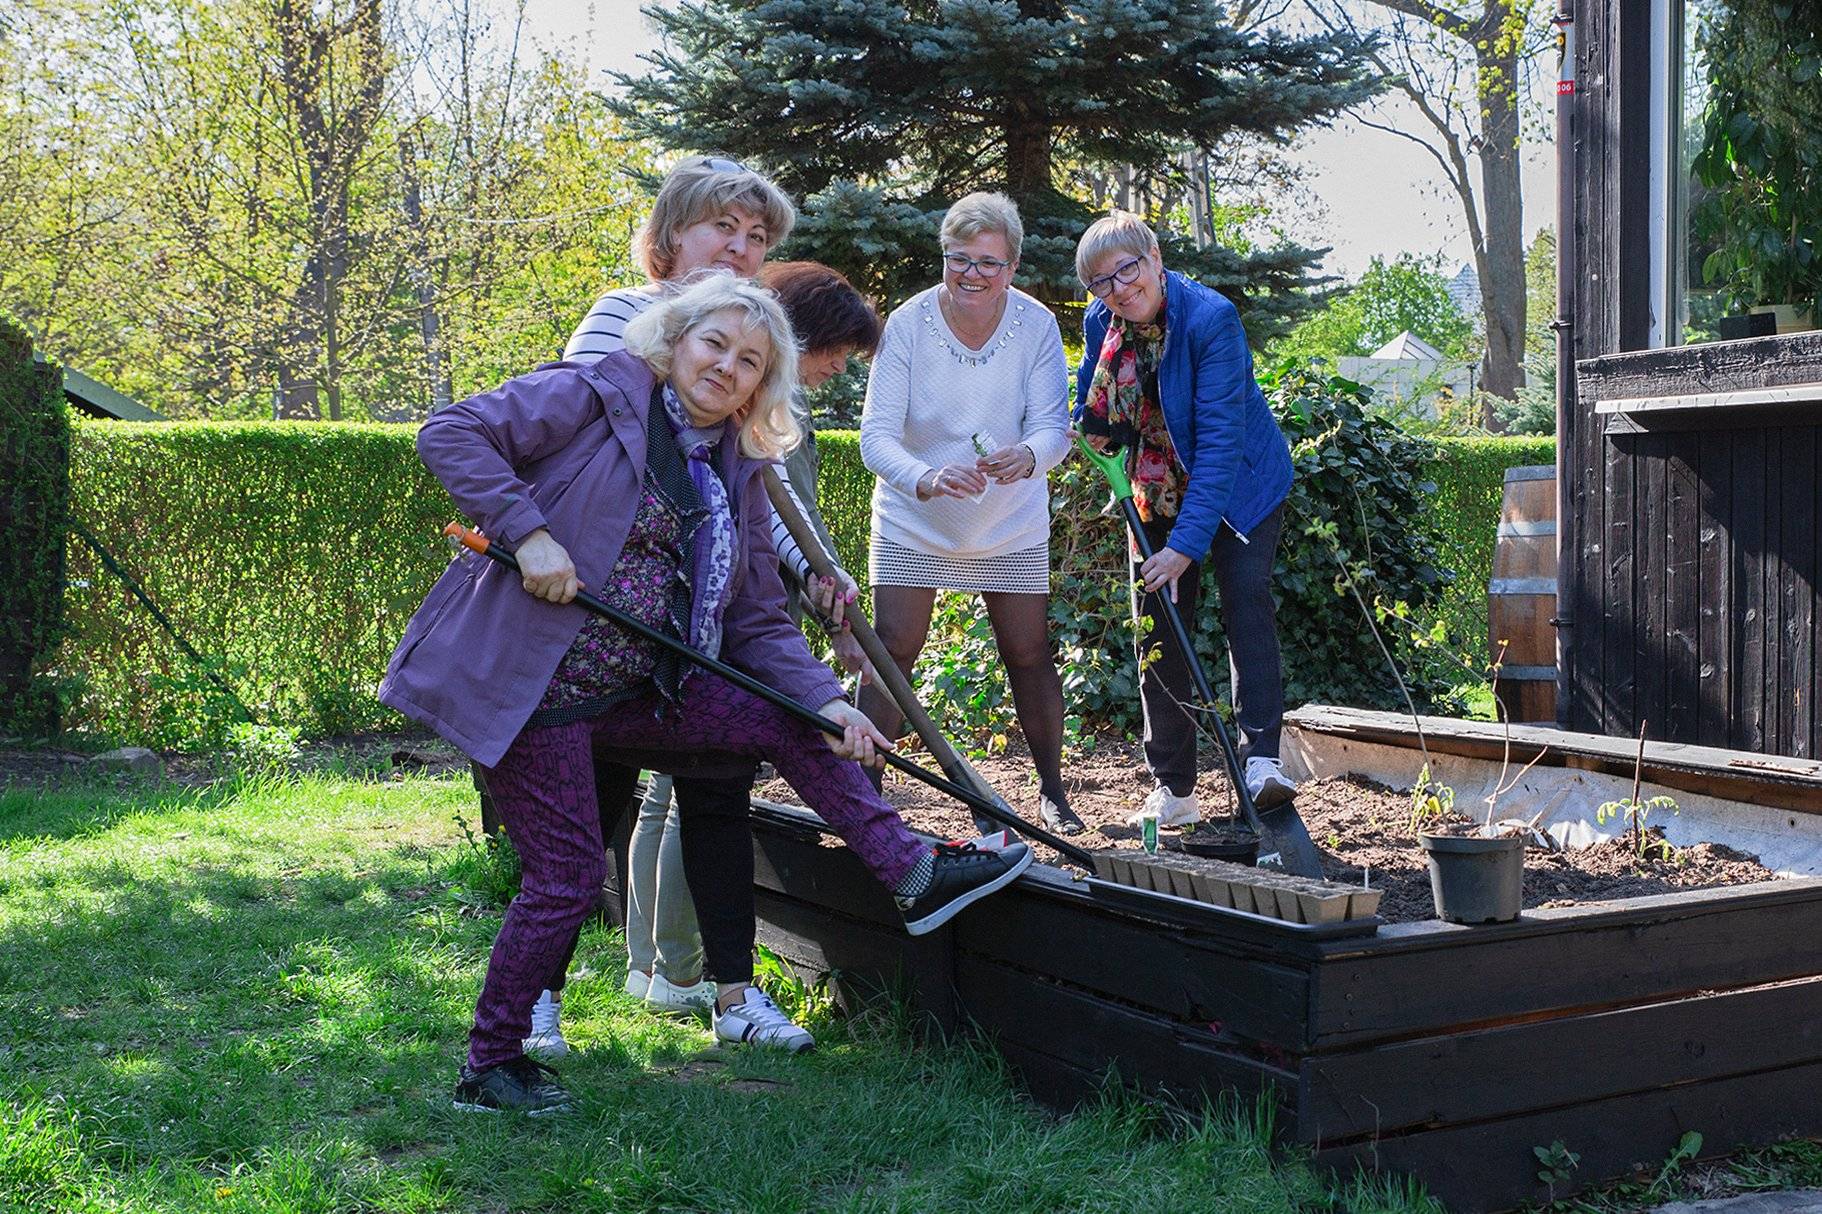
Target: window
{"type": "Point", "coordinates": [1741, 255]}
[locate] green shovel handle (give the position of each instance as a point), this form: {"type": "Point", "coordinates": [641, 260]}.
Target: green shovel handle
{"type": "Point", "coordinates": [1112, 466]}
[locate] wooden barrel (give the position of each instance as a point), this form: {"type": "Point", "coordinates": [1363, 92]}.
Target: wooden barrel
{"type": "Point", "coordinates": [1521, 599]}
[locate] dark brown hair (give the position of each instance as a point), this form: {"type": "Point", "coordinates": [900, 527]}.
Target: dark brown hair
{"type": "Point", "coordinates": [825, 309]}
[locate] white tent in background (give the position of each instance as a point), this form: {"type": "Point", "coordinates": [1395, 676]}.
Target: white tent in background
{"type": "Point", "coordinates": [1411, 372]}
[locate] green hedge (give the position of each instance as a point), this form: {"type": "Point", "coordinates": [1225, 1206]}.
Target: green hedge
{"type": "Point", "coordinates": [293, 553]}
{"type": "Point", "coordinates": [34, 518]}
{"type": "Point", "coordinates": [1469, 474]}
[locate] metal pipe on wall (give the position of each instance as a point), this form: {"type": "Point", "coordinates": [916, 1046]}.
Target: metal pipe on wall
{"type": "Point", "coordinates": [1564, 328]}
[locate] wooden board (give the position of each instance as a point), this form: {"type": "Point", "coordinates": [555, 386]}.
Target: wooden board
{"type": "Point", "coordinates": [1489, 1165]}
{"type": "Point", "coordinates": [1554, 961]}
{"type": "Point", "coordinates": [1186, 1061]}
{"type": "Point", "coordinates": [1567, 1060]}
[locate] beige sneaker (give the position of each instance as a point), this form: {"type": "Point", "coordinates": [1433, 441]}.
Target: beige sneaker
{"type": "Point", "coordinates": [1168, 808]}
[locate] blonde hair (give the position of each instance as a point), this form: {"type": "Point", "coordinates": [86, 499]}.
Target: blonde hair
{"type": "Point", "coordinates": [980, 212]}
{"type": "Point", "coordinates": [699, 188]}
{"type": "Point", "coordinates": [1115, 232]}
{"type": "Point", "coordinates": [770, 427]}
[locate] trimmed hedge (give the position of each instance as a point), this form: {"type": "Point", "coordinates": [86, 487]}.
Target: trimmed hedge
{"type": "Point", "coordinates": [289, 553]}
{"type": "Point", "coordinates": [1469, 474]}
{"type": "Point", "coordinates": [293, 553]}
{"type": "Point", "coordinates": [34, 519]}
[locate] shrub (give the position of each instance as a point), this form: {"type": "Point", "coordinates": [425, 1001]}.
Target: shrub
{"type": "Point", "coordinates": [289, 554]}
{"type": "Point", "coordinates": [1463, 520]}
{"type": "Point", "coordinates": [34, 518]}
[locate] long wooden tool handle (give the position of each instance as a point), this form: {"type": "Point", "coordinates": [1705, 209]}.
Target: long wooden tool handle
{"type": "Point", "coordinates": [822, 564]}
{"type": "Point", "coordinates": [476, 542]}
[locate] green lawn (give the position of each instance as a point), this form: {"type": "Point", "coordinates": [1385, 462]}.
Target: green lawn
{"type": "Point", "coordinates": [252, 997]}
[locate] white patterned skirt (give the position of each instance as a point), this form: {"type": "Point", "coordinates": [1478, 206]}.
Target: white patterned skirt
{"type": "Point", "coordinates": [1026, 571]}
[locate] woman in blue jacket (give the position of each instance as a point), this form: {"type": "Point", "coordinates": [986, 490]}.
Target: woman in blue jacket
{"type": "Point", "coordinates": [1167, 377]}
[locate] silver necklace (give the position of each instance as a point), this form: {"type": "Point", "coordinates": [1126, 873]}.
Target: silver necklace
{"type": "Point", "coordinates": [971, 358]}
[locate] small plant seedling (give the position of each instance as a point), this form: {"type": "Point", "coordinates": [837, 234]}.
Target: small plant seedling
{"type": "Point", "coordinates": [1431, 802]}
{"type": "Point", "coordinates": [1638, 812]}
{"type": "Point", "coordinates": [983, 446]}
{"type": "Point", "coordinates": [1556, 1162]}
{"type": "Point", "coordinates": [1637, 815]}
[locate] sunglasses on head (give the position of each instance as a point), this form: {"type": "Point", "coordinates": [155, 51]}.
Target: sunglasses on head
{"type": "Point", "coordinates": [723, 165]}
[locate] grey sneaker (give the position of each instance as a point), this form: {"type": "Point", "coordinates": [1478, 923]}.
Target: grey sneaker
{"type": "Point", "coordinates": [523, 1085]}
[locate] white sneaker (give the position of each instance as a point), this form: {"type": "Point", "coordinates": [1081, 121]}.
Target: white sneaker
{"type": "Point", "coordinates": [1168, 808]}
{"type": "Point", "coordinates": [663, 995]}
{"type": "Point", "coordinates": [637, 983]}
{"type": "Point", "coordinates": [546, 1038]}
{"type": "Point", "coordinates": [1266, 781]}
{"type": "Point", "coordinates": [757, 1021]}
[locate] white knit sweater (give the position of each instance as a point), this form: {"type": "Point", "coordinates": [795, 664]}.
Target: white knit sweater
{"type": "Point", "coordinates": [928, 395]}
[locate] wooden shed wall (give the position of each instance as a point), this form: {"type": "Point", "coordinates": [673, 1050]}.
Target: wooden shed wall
{"type": "Point", "coordinates": [1689, 540]}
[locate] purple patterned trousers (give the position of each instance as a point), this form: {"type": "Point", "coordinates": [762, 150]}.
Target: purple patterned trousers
{"type": "Point", "coordinates": [544, 789]}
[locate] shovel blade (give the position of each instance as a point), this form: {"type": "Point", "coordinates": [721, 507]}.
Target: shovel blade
{"type": "Point", "coordinates": [1281, 830]}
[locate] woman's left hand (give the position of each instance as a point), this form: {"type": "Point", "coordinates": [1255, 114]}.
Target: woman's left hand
{"type": "Point", "coordinates": [1008, 464]}
{"type": "Point", "coordinates": [1163, 568]}
{"type": "Point", "coordinates": [831, 596]}
{"type": "Point", "coordinates": [861, 739]}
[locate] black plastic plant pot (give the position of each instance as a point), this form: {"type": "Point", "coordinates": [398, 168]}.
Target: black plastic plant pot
{"type": "Point", "coordinates": [1235, 844]}
{"type": "Point", "coordinates": [1475, 879]}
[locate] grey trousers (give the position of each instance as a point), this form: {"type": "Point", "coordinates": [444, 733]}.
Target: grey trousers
{"type": "Point", "coordinates": [1249, 616]}
{"type": "Point", "coordinates": [661, 930]}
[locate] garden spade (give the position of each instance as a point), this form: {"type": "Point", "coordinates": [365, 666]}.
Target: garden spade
{"type": "Point", "coordinates": [823, 565]}
{"type": "Point", "coordinates": [1280, 830]}
{"type": "Point", "coordinates": [477, 542]}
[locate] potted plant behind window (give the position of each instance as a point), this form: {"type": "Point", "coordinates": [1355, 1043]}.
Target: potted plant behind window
{"type": "Point", "coordinates": [1758, 206]}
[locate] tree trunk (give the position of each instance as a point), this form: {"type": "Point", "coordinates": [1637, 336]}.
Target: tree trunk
{"type": "Point", "coordinates": [1502, 268]}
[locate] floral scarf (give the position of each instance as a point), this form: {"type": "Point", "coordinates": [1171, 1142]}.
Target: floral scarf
{"type": "Point", "coordinates": [1119, 407]}
{"type": "Point", "coordinates": [713, 550]}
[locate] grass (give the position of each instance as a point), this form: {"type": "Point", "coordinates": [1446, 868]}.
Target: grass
{"type": "Point", "coordinates": [253, 996]}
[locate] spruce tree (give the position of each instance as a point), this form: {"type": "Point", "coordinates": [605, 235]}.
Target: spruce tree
{"type": "Point", "coordinates": [877, 114]}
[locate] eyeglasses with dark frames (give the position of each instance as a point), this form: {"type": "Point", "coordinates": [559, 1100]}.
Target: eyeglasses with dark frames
{"type": "Point", "coordinates": [1124, 273]}
{"type": "Point", "coordinates": [986, 267]}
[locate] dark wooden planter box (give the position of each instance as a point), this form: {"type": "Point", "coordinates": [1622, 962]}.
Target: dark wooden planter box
{"type": "Point", "coordinates": [1446, 1052]}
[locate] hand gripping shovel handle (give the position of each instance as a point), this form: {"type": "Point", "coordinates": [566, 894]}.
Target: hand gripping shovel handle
{"type": "Point", "coordinates": [890, 676]}
{"type": "Point", "coordinates": [1287, 834]}
{"type": "Point", "coordinates": [476, 542]}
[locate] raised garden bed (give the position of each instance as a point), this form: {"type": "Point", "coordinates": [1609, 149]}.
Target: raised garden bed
{"type": "Point", "coordinates": [1448, 1052]}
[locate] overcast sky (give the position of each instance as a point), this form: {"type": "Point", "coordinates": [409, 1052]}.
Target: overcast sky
{"type": "Point", "coordinates": [1378, 193]}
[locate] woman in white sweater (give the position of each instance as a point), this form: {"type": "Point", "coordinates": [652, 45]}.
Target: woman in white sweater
{"type": "Point", "coordinates": [966, 412]}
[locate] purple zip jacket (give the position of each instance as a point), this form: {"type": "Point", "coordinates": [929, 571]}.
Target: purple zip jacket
{"type": "Point", "coordinates": [564, 448]}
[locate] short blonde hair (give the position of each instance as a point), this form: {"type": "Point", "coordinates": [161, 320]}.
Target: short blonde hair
{"type": "Point", "coordinates": [1115, 232]}
{"type": "Point", "coordinates": [985, 212]}
{"type": "Point", "coordinates": [699, 188]}
{"type": "Point", "coordinates": [770, 427]}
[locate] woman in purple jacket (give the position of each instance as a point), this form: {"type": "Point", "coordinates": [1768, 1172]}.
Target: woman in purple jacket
{"type": "Point", "coordinates": [636, 475]}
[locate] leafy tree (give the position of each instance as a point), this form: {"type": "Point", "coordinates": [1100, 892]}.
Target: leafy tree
{"type": "Point", "coordinates": [1408, 292]}
{"type": "Point", "coordinates": [258, 208]}
{"type": "Point", "coordinates": [876, 114]}
{"type": "Point", "coordinates": [1466, 66]}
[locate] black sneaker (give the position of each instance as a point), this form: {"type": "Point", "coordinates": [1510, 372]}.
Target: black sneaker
{"type": "Point", "coordinates": [961, 874]}
{"type": "Point", "coordinates": [1059, 817]}
{"type": "Point", "coordinates": [523, 1085]}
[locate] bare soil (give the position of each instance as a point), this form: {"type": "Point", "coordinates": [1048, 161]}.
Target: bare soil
{"type": "Point", "coordinates": [1362, 830]}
